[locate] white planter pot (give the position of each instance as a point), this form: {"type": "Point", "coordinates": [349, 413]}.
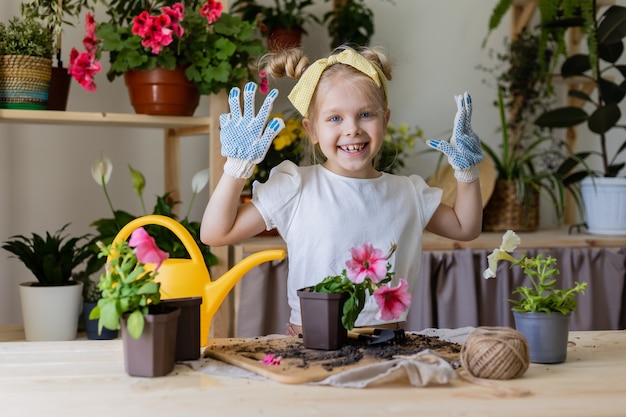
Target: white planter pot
{"type": "Point", "coordinates": [604, 202]}
{"type": "Point", "coordinates": [51, 313]}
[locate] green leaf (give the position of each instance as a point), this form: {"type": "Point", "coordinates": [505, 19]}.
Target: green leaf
{"type": "Point", "coordinates": [135, 324]}
{"type": "Point", "coordinates": [563, 117]}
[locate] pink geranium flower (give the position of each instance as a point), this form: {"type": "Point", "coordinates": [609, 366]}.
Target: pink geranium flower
{"type": "Point", "coordinates": [212, 10]}
{"type": "Point", "coordinates": [367, 262]}
{"type": "Point", "coordinates": [392, 302]}
{"type": "Point", "coordinates": [146, 248]}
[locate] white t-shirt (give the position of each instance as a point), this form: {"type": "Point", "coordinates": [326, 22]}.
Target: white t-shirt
{"type": "Point", "coordinates": [321, 215]}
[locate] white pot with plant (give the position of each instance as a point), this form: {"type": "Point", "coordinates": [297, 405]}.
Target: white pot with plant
{"type": "Point", "coordinates": [51, 305]}
{"type": "Point", "coordinates": [542, 311]}
{"type": "Point", "coordinates": [603, 190]}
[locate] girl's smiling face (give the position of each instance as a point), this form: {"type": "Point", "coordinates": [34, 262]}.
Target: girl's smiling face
{"type": "Point", "coordinates": [349, 126]}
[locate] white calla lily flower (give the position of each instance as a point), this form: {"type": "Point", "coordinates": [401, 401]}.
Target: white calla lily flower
{"type": "Point", "coordinates": [200, 180]}
{"type": "Point", "coordinates": [101, 170]}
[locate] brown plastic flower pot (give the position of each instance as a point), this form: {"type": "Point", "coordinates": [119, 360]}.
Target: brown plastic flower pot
{"type": "Point", "coordinates": [153, 353]}
{"type": "Point", "coordinates": [321, 319]}
{"type": "Point", "coordinates": [188, 330]}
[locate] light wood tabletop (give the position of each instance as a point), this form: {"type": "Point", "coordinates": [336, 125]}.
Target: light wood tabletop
{"type": "Point", "coordinates": [87, 377]}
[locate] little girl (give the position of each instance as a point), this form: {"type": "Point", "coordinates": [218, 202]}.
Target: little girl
{"type": "Point", "coordinates": [341, 201]}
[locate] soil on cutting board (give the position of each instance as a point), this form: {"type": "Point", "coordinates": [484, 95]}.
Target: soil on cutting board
{"type": "Point", "coordinates": [352, 353]}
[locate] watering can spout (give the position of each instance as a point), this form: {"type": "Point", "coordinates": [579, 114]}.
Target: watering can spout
{"type": "Point", "coordinates": [182, 278]}
{"type": "Point", "coordinates": [216, 291]}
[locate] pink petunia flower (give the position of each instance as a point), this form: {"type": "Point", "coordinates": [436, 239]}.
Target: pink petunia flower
{"type": "Point", "coordinates": [392, 302]}
{"type": "Point", "coordinates": [212, 10]}
{"type": "Point", "coordinates": [146, 248]}
{"type": "Point", "coordinates": [271, 359]}
{"type": "Point", "coordinates": [366, 262]}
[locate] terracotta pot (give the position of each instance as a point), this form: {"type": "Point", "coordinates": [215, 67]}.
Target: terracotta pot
{"type": "Point", "coordinates": [59, 89]}
{"type": "Point", "coordinates": [162, 92]}
{"type": "Point", "coordinates": [154, 352]}
{"type": "Point", "coordinates": [281, 38]}
{"type": "Point", "coordinates": [321, 319]}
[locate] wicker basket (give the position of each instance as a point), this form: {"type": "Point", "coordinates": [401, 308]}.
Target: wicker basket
{"type": "Point", "coordinates": [502, 212]}
{"type": "Point", "coordinates": [24, 82]}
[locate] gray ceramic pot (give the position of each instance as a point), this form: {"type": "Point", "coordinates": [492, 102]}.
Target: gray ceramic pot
{"type": "Point", "coordinates": [546, 335]}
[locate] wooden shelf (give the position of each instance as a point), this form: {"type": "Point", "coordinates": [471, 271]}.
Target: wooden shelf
{"type": "Point", "coordinates": [186, 125]}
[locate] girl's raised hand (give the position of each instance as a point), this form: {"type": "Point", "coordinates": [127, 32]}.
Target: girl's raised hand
{"type": "Point", "coordinates": [463, 151]}
{"type": "Point", "coordinates": [245, 138]}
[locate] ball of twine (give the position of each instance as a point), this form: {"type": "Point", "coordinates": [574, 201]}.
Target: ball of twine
{"type": "Point", "coordinates": [495, 353]}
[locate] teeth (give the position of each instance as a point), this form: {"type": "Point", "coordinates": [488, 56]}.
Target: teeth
{"type": "Point", "coordinates": [353, 148]}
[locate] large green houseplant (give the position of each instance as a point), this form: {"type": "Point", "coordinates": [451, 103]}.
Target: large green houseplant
{"type": "Point", "coordinates": [50, 305]}
{"type": "Point", "coordinates": [603, 189]}
{"type": "Point", "coordinates": [541, 310]}
{"type": "Point", "coordinates": [214, 48]}
{"type": "Point", "coordinates": [529, 162]}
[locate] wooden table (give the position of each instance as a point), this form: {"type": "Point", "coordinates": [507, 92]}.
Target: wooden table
{"type": "Point", "coordinates": [85, 377]}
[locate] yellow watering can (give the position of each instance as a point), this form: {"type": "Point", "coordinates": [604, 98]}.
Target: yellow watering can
{"type": "Point", "coordinates": [182, 278]}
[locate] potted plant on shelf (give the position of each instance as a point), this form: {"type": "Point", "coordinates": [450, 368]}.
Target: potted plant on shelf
{"type": "Point", "coordinates": [332, 306]}
{"type": "Point", "coordinates": [26, 48]}
{"type": "Point", "coordinates": [529, 162]}
{"type": "Point", "coordinates": [131, 301]}
{"type": "Point", "coordinates": [51, 305]}
{"type": "Point", "coordinates": [600, 75]}
{"type": "Point", "coordinates": [349, 22]}
{"type": "Point", "coordinates": [53, 14]}
{"type": "Point", "coordinates": [543, 311]}
{"type": "Point", "coordinates": [283, 23]}
{"type": "Point", "coordinates": [191, 44]}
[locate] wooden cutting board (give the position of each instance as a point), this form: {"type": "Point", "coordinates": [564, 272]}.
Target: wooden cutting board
{"type": "Point", "coordinates": [300, 365]}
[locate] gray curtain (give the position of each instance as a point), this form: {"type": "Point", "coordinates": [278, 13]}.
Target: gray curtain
{"type": "Point", "coordinates": [451, 292]}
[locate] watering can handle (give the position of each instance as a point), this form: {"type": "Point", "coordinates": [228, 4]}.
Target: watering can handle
{"type": "Point", "coordinates": [169, 223]}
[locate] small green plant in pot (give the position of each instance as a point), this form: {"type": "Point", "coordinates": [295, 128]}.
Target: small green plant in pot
{"type": "Point", "coordinates": [542, 310]}
{"type": "Point", "coordinates": [25, 44]}
{"type": "Point", "coordinates": [51, 305]}
{"type": "Point", "coordinates": [131, 301]}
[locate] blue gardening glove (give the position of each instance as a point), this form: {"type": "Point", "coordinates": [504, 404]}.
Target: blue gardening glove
{"type": "Point", "coordinates": [244, 142]}
{"type": "Point", "coordinates": [463, 151]}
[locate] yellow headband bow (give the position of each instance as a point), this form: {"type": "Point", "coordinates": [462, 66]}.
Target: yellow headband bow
{"type": "Point", "coordinates": [300, 95]}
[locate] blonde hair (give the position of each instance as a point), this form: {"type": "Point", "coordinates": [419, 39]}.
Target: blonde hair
{"type": "Point", "coordinates": [292, 63]}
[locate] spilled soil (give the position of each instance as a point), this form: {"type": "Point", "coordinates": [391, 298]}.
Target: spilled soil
{"type": "Point", "coordinates": [293, 352]}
